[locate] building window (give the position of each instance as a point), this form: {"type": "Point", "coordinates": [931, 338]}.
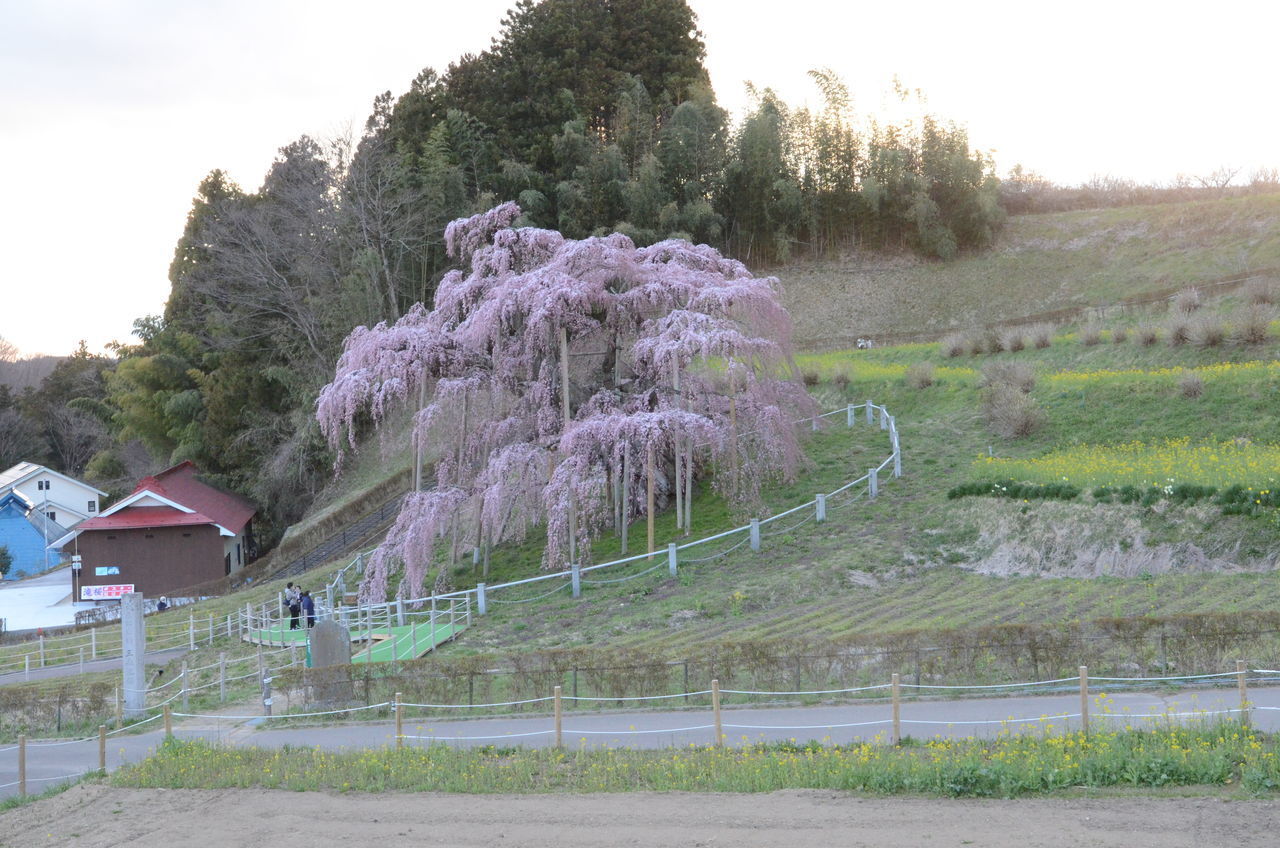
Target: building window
{"type": "Point", "coordinates": [42, 485]}
{"type": "Point", "coordinates": [53, 516]}
{"type": "Point", "coordinates": [93, 506]}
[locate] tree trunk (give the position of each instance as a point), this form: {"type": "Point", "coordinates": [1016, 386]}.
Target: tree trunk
{"type": "Point", "coordinates": [649, 469]}
{"type": "Point", "coordinates": [626, 493]}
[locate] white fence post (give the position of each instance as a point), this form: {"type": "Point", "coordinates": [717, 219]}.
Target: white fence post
{"type": "Point", "coordinates": [884, 418]}
{"type": "Point", "coordinates": [575, 575]}
{"type": "Point", "coordinates": [93, 643]}
{"type": "Point", "coordinates": [820, 508]}
{"type": "Point", "coordinates": [191, 630]}
{"type": "Point", "coordinates": [873, 482]}
{"type": "Point", "coordinates": [481, 606]}
{"type": "Point", "coordinates": [755, 534]}
{"type": "Point", "coordinates": [848, 415]}
{"type": "Point", "coordinates": [897, 459]}
{"type": "Point", "coordinates": [400, 612]}
{"type": "Point", "coordinates": [672, 558]}
{"type": "Point", "coordinates": [871, 411]}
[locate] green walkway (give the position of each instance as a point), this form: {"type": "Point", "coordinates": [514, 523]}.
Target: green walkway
{"type": "Point", "coordinates": [406, 642]}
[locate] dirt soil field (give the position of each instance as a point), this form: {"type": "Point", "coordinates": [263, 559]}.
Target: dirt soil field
{"type": "Point", "coordinates": [96, 816]}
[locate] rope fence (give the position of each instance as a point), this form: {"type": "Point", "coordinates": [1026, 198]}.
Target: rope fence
{"type": "Point", "coordinates": [894, 720]}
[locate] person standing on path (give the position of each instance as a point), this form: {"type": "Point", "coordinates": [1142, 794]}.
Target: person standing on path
{"type": "Point", "coordinates": [309, 607]}
{"type": "Point", "coordinates": [293, 600]}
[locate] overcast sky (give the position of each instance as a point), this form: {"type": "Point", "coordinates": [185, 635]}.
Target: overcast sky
{"type": "Point", "coordinates": [111, 111]}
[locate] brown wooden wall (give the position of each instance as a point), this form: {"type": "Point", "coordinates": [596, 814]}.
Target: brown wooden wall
{"type": "Point", "coordinates": [156, 560]}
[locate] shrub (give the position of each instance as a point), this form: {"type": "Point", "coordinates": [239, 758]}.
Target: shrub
{"type": "Point", "coordinates": [1187, 301]}
{"type": "Point", "coordinates": [1013, 340]}
{"type": "Point", "coordinates": [1147, 335]}
{"type": "Point", "coordinates": [1090, 335]}
{"type": "Point", "coordinates": [1179, 330]}
{"type": "Point", "coordinates": [1261, 292]}
{"type": "Point", "coordinates": [952, 345]}
{"type": "Point", "coordinates": [1020, 375]}
{"type": "Point", "coordinates": [975, 344]}
{"type": "Point", "coordinates": [1119, 335]}
{"type": "Point", "coordinates": [1251, 324]}
{"type": "Point", "coordinates": [810, 378]}
{"type": "Point", "coordinates": [1041, 335]}
{"type": "Point", "coordinates": [841, 380]}
{"type": "Point", "coordinates": [1206, 331]}
{"type": "Point", "coordinates": [920, 375]}
{"type": "Point", "coordinates": [1011, 413]}
{"type": "Point", "coordinates": [1191, 385]}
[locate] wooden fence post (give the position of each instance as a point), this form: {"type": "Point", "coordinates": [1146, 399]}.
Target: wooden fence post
{"type": "Point", "coordinates": [1244, 692]}
{"type": "Point", "coordinates": [119, 710]}
{"type": "Point", "coordinates": [168, 722]}
{"type": "Point", "coordinates": [191, 630]}
{"type": "Point", "coordinates": [102, 748]}
{"type": "Point", "coordinates": [559, 713]}
{"type": "Point", "coordinates": [222, 676]}
{"type": "Point", "coordinates": [897, 708]}
{"type": "Point", "coordinates": [399, 722]}
{"type": "Point", "coordinates": [186, 688]}
{"type": "Point", "coordinates": [715, 709]}
{"type": "Point", "coordinates": [1084, 699]}
{"type": "Point", "coordinates": [22, 765]}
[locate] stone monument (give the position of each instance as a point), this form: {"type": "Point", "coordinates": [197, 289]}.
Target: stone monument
{"type": "Point", "coordinates": [330, 673]}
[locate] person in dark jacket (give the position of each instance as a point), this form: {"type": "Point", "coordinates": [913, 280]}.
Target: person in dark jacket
{"type": "Point", "coordinates": [309, 607]}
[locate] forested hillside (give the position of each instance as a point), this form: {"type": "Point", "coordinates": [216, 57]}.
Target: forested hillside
{"type": "Point", "coordinates": [595, 118]}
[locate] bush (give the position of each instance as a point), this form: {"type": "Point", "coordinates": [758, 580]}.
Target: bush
{"type": "Point", "coordinates": [1119, 335]}
{"type": "Point", "coordinates": [1251, 324]}
{"type": "Point", "coordinates": [1207, 331]}
{"type": "Point", "coordinates": [1179, 330]}
{"type": "Point", "coordinates": [1187, 301]}
{"type": "Point", "coordinates": [1041, 335]}
{"type": "Point", "coordinates": [1013, 340]}
{"type": "Point", "coordinates": [1017, 374]}
{"type": "Point", "coordinates": [1261, 292]}
{"type": "Point", "coordinates": [1015, 490]}
{"type": "Point", "coordinates": [920, 375]}
{"type": "Point", "coordinates": [1011, 413]}
{"type": "Point", "coordinates": [1191, 385]}
{"type": "Point", "coordinates": [952, 345]}
{"type": "Point", "coordinates": [841, 380]}
{"type": "Point", "coordinates": [1090, 335]}
{"type": "Point", "coordinates": [810, 378]}
{"type": "Point", "coordinates": [1147, 335]}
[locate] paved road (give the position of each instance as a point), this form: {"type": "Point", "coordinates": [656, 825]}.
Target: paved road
{"type": "Point", "coordinates": [646, 729]}
{"type": "Point", "coordinates": [73, 669]}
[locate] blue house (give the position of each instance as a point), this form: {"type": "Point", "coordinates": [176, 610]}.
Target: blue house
{"type": "Point", "coordinates": [25, 531]}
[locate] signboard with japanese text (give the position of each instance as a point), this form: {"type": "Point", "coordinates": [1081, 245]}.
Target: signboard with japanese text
{"type": "Point", "coordinates": [110, 592]}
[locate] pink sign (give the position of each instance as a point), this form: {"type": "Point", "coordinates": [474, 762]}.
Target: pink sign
{"type": "Point", "coordinates": [105, 593]}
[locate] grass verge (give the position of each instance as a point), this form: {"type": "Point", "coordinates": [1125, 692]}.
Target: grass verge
{"type": "Point", "coordinates": [1221, 754]}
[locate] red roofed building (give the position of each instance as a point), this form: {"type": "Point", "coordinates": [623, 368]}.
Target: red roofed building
{"type": "Point", "coordinates": [175, 531]}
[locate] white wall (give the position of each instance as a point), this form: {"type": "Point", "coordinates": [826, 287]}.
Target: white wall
{"type": "Point", "coordinates": [67, 498]}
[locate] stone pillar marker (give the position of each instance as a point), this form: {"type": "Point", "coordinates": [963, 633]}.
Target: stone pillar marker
{"type": "Point", "coordinates": [133, 635]}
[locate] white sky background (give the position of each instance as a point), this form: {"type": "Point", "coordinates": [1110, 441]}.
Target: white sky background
{"type": "Point", "coordinates": [112, 111]}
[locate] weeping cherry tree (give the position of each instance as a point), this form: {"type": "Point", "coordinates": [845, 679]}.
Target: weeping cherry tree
{"type": "Point", "coordinates": [574, 385]}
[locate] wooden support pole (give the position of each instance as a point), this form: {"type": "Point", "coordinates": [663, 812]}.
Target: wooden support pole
{"type": "Point", "coordinates": [1084, 699]}
{"type": "Point", "coordinates": [222, 676]}
{"type": "Point", "coordinates": [22, 765]}
{"type": "Point", "coordinates": [102, 748]}
{"type": "Point", "coordinates": [895, 686]}
{"type": "Point", "coordinates": [1242, 685]}
{"type": "Point", "coordinates": [168, 722]}
{"type": "Point", "coordinates": [715, 710]}
{"type": "Point", "coordinates": [559, 713]}
{"type": "Point", "coordinates": [186, 688]}
{"type": "Point", "coordinates": [399, 722]}
{"type": "Point", "coordinates": [119, 710]}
